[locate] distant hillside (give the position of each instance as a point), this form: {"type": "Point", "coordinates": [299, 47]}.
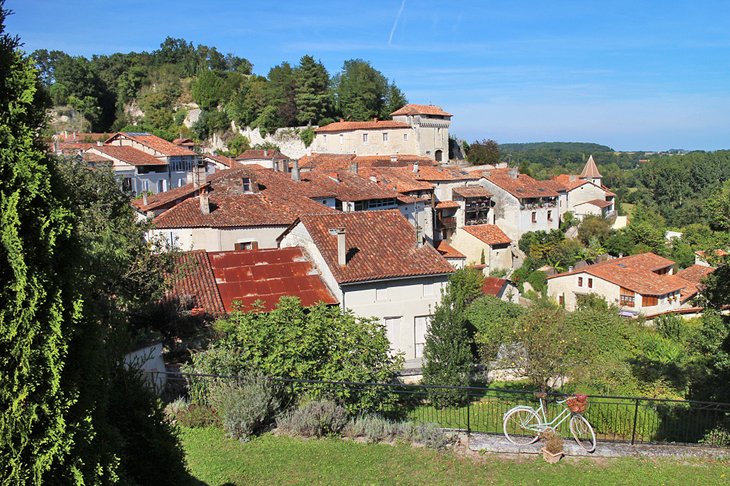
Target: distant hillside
{"type": "Point", "coordinates": [580, 147]}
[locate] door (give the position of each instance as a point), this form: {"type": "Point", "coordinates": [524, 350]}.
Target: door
{"type": "Point", "coordinates": [420, 326]}
{"type": "Point", "coordinates": [392, 329]}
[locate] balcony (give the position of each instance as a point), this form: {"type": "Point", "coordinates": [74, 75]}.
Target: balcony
{"type": "Point", "coordinates": [447, 223]}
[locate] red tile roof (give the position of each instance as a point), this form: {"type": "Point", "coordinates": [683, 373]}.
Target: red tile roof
{"type": "Point", "coordinates": [244, 277]}
{"type": "Point", "coordinates": [223, 160]}
{"type": "Point", "coordinates": [471, 191]}
{"type": "Point", "coordinates": [695, 273]}
{"type": "Point", "coordinates": [568, 182]}
{"type": "Point", "coordinates": [262, 154]}
{"type": "Point", "coordinates": [521, 187]}
{"type": "Point", "coordinates": [598, 203]}
{"type": "Point", "coordinates": [412, 109]}
{"type": "Point", "coordinates": [590, 171]}
{"type": "Point", "coordinates": [493, 285]}
{"type": "Point", "coordinates": [380, 245]}
{"type": "Point", "coordinates": [401, 179]}
{"type": "Point", "coordinates": [488, 233]}
{"type": "Point", "coordinates": [129, 155]}
{"type": "Point", "coordinates": [444, 174]}
{"type": "Point", "coordinates": [239, 210]}
{"type": "Point", "coordinates": [328, 162]}
{"type": "Point", "coordinates": [448, 251]}
{"type": "Point", "coordinates": [635, 273]}
{"type": "Point", "coordinates": [160, 145]}
{"type": "Point", "coordinates": [193, 278]}
{"type": "Point", "coordinates": [345, 126]}
{"type": "Point", "coordinates": [447, 205]}
{"type": "Point", "coordinates": [344, 185]}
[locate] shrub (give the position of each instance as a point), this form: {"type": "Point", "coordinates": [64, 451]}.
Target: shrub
{"type": "Point", "coordinates": [307, 136]}
{"type": "Point", "coordinates": [314, 419]}
{"type": "Point", "coordinates": [538, 281]}
{"type": "Point", "coordinates": [246, 407]}
{"type": "Point", "coordinates": [374, 428]}
{"type": "Point", "coordinates": [191, 415]}
{"type": "Point", "coordinates": [553, 442]}
{"type": "Point", "coordinates": [718, 436]}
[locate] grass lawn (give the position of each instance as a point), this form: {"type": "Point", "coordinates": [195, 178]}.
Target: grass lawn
{"type": "Point", "coordinates": [216, 460]}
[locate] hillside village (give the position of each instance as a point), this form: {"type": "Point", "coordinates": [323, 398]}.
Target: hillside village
{"type": "Point", "coordinates": [374, 218]}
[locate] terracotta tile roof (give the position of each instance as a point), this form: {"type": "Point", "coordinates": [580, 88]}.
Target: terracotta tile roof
{"type": "Point", "coordinates": [493, 285]}
{"type": "Point", "coordinates": [345, 126]}
{"type": "Point", "coordinates": [488, 233]}
{"type": "Point", "coordinates": [239, 210]}
{"type": "Point", "coordinates": [82, 136]}
{"type": "Point", "coordinates": [380, 245]}
{"type": "Point", "coordinates": [244, 277]}
{"type": "Point", "coordinates": [127, 154]}
{"type": "Point", "coordinates": [185, 142]}
{"type": "Point", "coordinates": [193, 278]}
{"type": "Point", "coordinates": [523, 186]}
{"type": "Point", "coordinates": [447, 205]}
{"type": "Point", "coordinates": [597, 202]}
{"type": "Point", "coordinates": [607, 190]}
{"type": "Point", "coordinates": [396, 160]}
{"type": "Point", "coordinates": [448, 251]}
{"type": "Point", "coordinates": [569, 182]}
{"type": "Point", "coordinates": [262, 154]}
{"type": "Point", "coordinates": [471, 191]}
{"type": "Point", "coordinates": [635, 273]}
{"type": "Point", "coordinates": [222, 159]}
{"type": "Point", "coordinates": [412, 109]}
{"type": "Point", "coordinates": [344, 185]}
{"type": "Point", "coordinates": [161, 199]}
{"type": "Point", "coordinates": [328, 162]}
{"type": "Point", "coordinates": [590, 171]}
{"type": "Point", "coordinates": [444, 174]}
{"type": "Point", "coordinates": [401, 179]}
{"type": "Point", "coordinates": [695, 273]}
{"type": "Point", "coordinates": [157, 144]}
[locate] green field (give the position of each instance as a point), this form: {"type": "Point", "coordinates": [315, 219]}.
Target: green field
{"type": "Point", "coordinates": [215, 460]}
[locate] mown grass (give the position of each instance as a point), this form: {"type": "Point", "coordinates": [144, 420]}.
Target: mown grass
{"type": "Point", "coordinates": [216, 460]}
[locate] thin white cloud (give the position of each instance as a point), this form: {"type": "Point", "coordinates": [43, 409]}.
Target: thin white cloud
{"type": "Point", "coordinates": [395, 23]}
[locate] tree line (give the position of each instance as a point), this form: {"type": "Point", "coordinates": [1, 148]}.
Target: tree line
{"type": "Point", "coordinates": [104, 88]}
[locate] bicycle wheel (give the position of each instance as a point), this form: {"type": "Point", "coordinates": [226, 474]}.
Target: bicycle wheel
{"type": "Point", "coordinates": [583, 433]}
{"type": "Point", "coordinates": [520, 426]}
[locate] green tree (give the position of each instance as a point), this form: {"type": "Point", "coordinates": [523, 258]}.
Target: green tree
{"type": "Point", "coordinates": [494, 321]}
{"type": "Point", "coordinates": [594, 227]}
{"type": "Point", "coordinates": [206, 90]}
{"type": "Point", "coordinates": [281, 95]}
{"type": "Point", "coordinates": [312, 93]}
{"type": "Point", "coordinates": [484, 152]}
{"type": "Point", "coordinates": [448, 355]}
{"type": "Point", "coordinates": [394, 100]}
{"type": "Point", "coordinates": [360, 90]}
{"type": "Point", "coordinates": [717, 208]}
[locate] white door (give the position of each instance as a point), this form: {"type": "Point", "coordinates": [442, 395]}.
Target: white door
{"type": "Point", "coordinates": [392, 329]}
{"type": "Point", "coordinates": [420, 326]}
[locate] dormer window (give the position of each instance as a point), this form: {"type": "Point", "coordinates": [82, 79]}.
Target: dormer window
{"type": "Point", "coordinates": [246, 184]}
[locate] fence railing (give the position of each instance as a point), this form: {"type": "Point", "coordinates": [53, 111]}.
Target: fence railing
{"type": "Point", "coordinates": [614, 418]}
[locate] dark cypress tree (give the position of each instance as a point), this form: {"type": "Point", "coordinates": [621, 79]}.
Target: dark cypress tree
{"type": "Point", "coordinates": [313, 98]}
{"type": "Point", "coordinates": [448, 356]}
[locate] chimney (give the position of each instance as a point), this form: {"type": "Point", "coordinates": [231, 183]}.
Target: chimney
{"type": "Point", "coordinates": [204, 202]}
{"type": "Point", "coordinates": [415, 167]}
{"type": "Point", "coordinates": [266, 152]}
{"type": "Point", "coordinates": [375, 119]}
{"type": "Point", "coordinates": [513, 172]}
{"type": "Point", "coordinates": [342, 120]}
{"type": "Point", "coordinates": [573, 178]}
{"type": "Point", "coordinates": [394, 158]}
{"type": "Point", "coordinates": [99, 143]}
{"type": "Point", "coordinates": [341, 245]}
{"type": "Point", "coordinates": [295, 172]}
{"type": "Point", "coordinates": [198, 176]}
{"type": "Point", "coordinates": [353, 168]}
{"type": "Point", "coordinates": [144, 198]}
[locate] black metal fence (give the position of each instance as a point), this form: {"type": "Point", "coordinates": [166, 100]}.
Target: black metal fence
{"type": "Point", "coordinates": [615, 419]}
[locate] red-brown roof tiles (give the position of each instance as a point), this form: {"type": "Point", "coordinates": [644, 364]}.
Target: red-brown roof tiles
{"type": "Point", "coordinates": [695, 273]}
{"type": "Point", "coordinates": [193, 278]}
{"type": "Point", "coordinates": [471, 191]}
{"type": "Point", "coordinates": [448, 251]}
{"type": "Point", "coordinates": [262, 154]}
{"type": "Point", "coordinates": [569, 182]}
{"type": "Point", "coordinates": [401, 179]}
{"type": "Point", "coordinates": [127, 154]}
{"type": "Point", "coordinates": [160, 145]}
{"type": "Point", "coordinates": [522, 186]}
{"type": "Point", "coordinates": [599, 203]}
{"type": "Point", "coordinates": [444, 174]}
{"type": "Point", "coordinates": [223, 160]}
{"type": "Point", "coordinates": [344, 185]}
{"type": "Point", "coordinates": [447, 205]}
{"type": "Point", "coordinates": [413, 109]}
{"type": "Point", "coordinates": [493, 286]}
{"type": "Point", "coordinates": [380, 245]}
{"type": "Point", "coordinates": [488, 233]}
{"type": "Point", "coordinates": [244, 277]}
{"type": "Point", "coordinates": [345, 126]}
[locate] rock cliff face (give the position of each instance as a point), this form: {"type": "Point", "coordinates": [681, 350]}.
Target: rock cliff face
{"type": "Point", "coordinates": [287, 139]}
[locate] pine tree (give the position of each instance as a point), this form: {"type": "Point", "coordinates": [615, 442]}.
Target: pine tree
{"type": "Point", "coordinates": [39, 306]}
{"type": "Point", "coordinates": [312, 97]}
{"type": "Point", "coordinates": [448, 355]}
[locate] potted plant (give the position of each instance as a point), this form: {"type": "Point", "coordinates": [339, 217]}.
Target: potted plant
{"type": "Point", "coordinates": [552, 451]}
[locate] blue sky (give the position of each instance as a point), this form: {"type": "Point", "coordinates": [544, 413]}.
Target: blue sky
{"type": "Point", "coordinates": [634, 75]}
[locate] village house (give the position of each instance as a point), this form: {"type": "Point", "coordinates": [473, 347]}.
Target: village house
{"type": "Point", "coordinates": [484, 244]}
{"type": "Point", "coordinates": [374, 266]}
{"type": "Point", "coordinates": [267, 158]}
{"type": "Point", "coordinates": [220, 162]}
{"type": "Point", "coordinates": [415, 129]}
{"type": "Point", "coordinates": [521, 203]}
{"type": "Point", "coordinates": [451, 254]}
{"type": "Point", "coordinates": [584, 194]}
{"type": "Point", "coordinates": [641, 283]}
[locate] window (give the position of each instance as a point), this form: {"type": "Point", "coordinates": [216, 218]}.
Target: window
{"type": "Point", "coordinates": [627, 297]}
{"type": "Point", "coordinates": [428, 289]}
{"type": "Point", "coordinates": [392, 326]}
{"type": "Point", "coordinates": [405, 137]}
{"type": "Point", "coordinates": [342, 139]}
{"type": "Point", "coordinates": [420, 327]}
{"type": "Point", "coordinates": [590, 283]}
{"type": "Point", "coordinates": [381, 294]}
{"type": "Point", "coordinates": [561, 300]}
{"type": "Point", "coordinates": [324, 138]}
{"type": "Point", "coordinates": [364, 138]}
{"type": "Point", "coordinates": [580, 281]}
{"type": "Point", "coordinates": [550, 215]}
{"type": "Point", "coordinates": [534, 216]}
{"type": "Point", "coordinates": [127, 184]}
{"type": "Point", "coordinates": [160, 186]}
{"type": "Point", "coordinates": [649, 300]}
{"type": "Point", "coordinates": [385, 137]}
{"type": "Point", "coordinates": [246, 245]}
{"type": "Point", "coordinates": [246, 184]}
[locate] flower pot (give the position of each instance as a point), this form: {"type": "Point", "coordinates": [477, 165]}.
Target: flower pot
{"type": "Point", "coordinates": [550, 457]}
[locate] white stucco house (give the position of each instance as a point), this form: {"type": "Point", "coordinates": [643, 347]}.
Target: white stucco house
{"type": "Point", "coordinates": [585, 194]}
{"type": "Point", "coordinates": [641, 283]}
{"type": "Point", "coordinates": [373, 265]}
{"type": "Point", "coordinates": [485, 242]}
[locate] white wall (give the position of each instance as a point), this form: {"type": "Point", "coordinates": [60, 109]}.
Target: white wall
{"type": "Point", "coordinates": [149, 361]}
{"type": "Point", "coordinates": [215, 239]}
{"type": "Point", "coordinates": [351, 142]}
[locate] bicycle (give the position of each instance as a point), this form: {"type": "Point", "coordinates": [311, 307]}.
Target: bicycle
{"type": "Point", "coordinates": [523, 424]}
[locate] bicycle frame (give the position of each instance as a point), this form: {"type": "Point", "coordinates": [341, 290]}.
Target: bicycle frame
{"type": "Point", "coordinates": [552, 424]}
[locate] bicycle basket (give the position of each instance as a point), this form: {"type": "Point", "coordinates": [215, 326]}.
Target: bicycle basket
{"type": "Point", "coordinates": [577, 403]}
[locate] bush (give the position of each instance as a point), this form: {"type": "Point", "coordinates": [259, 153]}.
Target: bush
{"type": "Point", "coordinates": [314, 419]}
{"type": "Point", "coordinates": [719, 437]}
{"type": "Point", "coordinates": [307, 136]}
{"type": "Point", "coordinates": [538, 281]}
{"type": "Point", "coordinates": [191, 415]}
{"type": "Point", "coordinates": [246, 407]}
{"type": "Point", "coordinates": [374, 428]}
